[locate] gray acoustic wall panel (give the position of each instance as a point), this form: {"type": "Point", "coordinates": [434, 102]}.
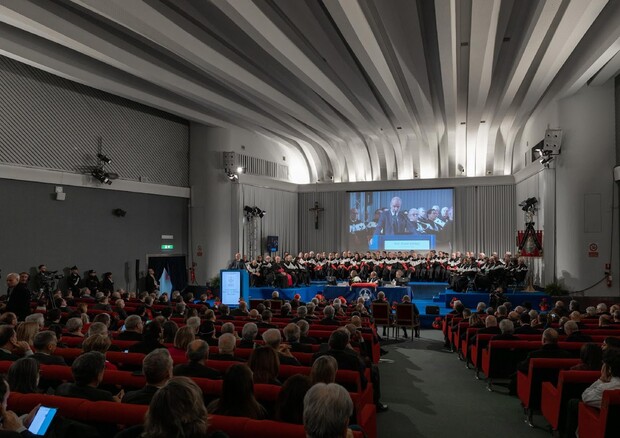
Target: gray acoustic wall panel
{"type": "Point", "coordinates": [82, 230]}
{"type": "Point", "coordinates": [52, 123]}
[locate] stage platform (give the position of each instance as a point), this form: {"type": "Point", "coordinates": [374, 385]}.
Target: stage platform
{"type": "Point", "coordinates": [471, 299]}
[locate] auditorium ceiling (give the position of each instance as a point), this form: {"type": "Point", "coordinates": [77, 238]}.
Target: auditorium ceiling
{"type": "Point", "coordinates": [365, 89]}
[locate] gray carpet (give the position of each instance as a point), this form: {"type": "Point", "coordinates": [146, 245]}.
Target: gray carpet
{"type": "Point", "coordinates": [431, 394]}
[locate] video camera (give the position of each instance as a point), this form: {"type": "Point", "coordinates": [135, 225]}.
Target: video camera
{"type": "Point", "coordinates": [51, 275]}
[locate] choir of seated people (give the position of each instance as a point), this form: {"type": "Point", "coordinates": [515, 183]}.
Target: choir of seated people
{"type": "Point", "coordinates": [462, 271]}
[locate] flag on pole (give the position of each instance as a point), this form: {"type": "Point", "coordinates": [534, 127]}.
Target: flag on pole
{"type": "Point", "coordinates": [165, 285]}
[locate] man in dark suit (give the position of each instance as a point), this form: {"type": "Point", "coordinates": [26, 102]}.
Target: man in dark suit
{"type": "Point", "coordinates": [133, 329]}
{"type": "Point", "coordinates": [87, 372]}
{"type": "Point", "coordinates": [392, 221]}
{"type": "Point", "coordinates": [273, 339]}
{"type": "Point", "coordinates": [10, 348]}
{"type": "Point", "coordinates": [18, 297]}
{"type": "Point", "coordinates": [292, 333]}
{"type": "Point", "coordinates": [157, 370]}
{"type": "Point", "coordinates": [150, 282]}
{"type": "Point", "coordinates": [242, 310]}
{"type": "Point", "coordinates": [226, 348]}
{"type": "Point", "coordinates": [549, 349]}
{"type": "Point", "coordinates": [574, 334]}
{"type": "Point", "coordinates": [507, 329]}
{"type": "Point", "coordinates": [266, 322]}
{"type": "Point", "coordinates": [44, 345]}
{"type": "Point", "coordinates": [197, 355]}
{"type": "Point", "coordinates": [490, 327]}
{"type": "Point", "coordinates": [237, 263]}
{"type": "Point", "coordinates": [525, 328]}
{"type": "Point", "coordinates": [304, 328]}
{"type": "Point", "coordinates": [328, 313]}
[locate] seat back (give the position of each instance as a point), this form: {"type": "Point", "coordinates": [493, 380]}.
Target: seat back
{"type": "Point", "coordinates": [381, 313]}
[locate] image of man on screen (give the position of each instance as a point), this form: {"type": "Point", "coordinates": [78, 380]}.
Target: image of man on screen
{"type": "Point", "coordinates": [393, 221]}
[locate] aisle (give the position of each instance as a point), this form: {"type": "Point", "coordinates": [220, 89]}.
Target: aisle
{"type": "Point", "coordinates": [430, 394]}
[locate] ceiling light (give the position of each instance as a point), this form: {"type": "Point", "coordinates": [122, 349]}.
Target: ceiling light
{"type": "Point", "coordinates": [240, 169]}
{"type": "Point", "coordinates": [103, 158]}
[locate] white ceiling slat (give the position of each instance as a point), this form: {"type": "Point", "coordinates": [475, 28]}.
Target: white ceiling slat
{"type": "Point", "coordinates": [484, 16]}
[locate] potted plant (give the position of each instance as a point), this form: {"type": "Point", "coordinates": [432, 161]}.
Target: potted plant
{"type": "Point", "coordinates": [555, 289]}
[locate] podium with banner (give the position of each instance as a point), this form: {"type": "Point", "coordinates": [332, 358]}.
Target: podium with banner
{"type": "Point", "coordinates": [234, 284]}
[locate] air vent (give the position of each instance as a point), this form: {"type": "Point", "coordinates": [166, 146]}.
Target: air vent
{"type": "Point", "coordinates": [262, 167]}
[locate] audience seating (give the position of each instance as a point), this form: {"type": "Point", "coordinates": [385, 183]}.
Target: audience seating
{"type": "Point", "coordinates": [554, 399]}
{"type": "Point", "coordinates": [603, 423]}
{"type": "Point", "coordinates": [529, 385]}
{"type": "Point", "coordinates": [382, 315]}
{"type": "Point", "coordinates": [128, 415]}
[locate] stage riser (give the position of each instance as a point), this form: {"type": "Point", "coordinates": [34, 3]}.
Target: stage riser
{"type": "Point", "coordinates": [471, 299]}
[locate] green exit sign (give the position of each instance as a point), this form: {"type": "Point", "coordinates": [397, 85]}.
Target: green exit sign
{"type": "Point", "coordinates": [167, 247]}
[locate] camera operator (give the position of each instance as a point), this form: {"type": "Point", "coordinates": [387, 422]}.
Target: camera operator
{"type": "Point", "coordinates": [75, 281]}
{"type": "Point", "coordinates": [92, 282]}
{"type": "Point", "coordinates": [18, 297]}
{"type": "Point", "coordinates": [41, 279]}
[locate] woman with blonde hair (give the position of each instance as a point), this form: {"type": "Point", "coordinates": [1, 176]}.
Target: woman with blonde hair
{"type": "Point", "coordinates": [324, 370]}
{"type": "Point", "coordinates": [183, 337]}
{"type": "Point", "coordinates": [26, 331]}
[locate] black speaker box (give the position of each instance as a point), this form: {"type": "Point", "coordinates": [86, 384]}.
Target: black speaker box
{"type": "Point", "coordinates": [432, 310]}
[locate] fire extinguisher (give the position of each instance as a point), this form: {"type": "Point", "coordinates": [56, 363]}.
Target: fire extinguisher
{"type": "Point", "coordinates": [608, 274]}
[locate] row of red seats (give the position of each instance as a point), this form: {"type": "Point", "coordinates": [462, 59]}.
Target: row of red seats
{"type": "Point", "coordinates": [128, 415]}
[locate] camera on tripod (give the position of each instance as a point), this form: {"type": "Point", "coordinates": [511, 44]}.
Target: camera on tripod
{"type": "Point", "coordinates": [50, 276]}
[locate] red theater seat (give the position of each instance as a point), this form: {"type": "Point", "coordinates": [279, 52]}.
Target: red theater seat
{"type": "Point", "coordinates": [603, 423]}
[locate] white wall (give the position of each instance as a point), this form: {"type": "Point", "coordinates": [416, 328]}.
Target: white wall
{"type": "Point", "coordinates": [581, 187]}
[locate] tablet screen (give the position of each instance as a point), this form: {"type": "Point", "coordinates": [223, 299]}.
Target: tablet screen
{"type": "Point", "coordinates": [42, 420]}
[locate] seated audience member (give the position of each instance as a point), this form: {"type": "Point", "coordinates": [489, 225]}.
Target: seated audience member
{"type": "Point", "coordinates": [266, 320]}
{"type": "Point", "coordinates": [242, 310]}
{"type": "Point", "coordinates": [225, 312]}
{"type": "Point", "coordinates": [8, 318]}
{"type": "Point", "coordinates": [103, 318]}
{"type": "Point", "coordinates": [285, 310]}
{"type": "Point", "coordinates": [169, 330]}
{"type": "Point", "coordinates": [26, 331]}
{"type": "Point", "coordinates": [324, 370]}
{"type": "Point", "coordinates": [157, 370]}
{"type": "Point", "coordinates": [101, 344]}
{"type": "Point", "coordinates": [97, 328]}
{"type": "Point", "coordinates": [74, 328]}
{"type": "Point", "coordinates": [179, 399]}
{"type": "Point", "coordinates": [11, 425]}
{"type": "Point", "coordinates": [328, 316]}
{"type": "Point", "coordinates": [290, 403]}
{"type": "Point", "coordinates": [591, 313]}
{"type": "Point", "coordinates": [416, 316]}
{"type": "Point", "coordinates": [38, 318]}
{"type": "Point", "coordinates": [237, 398]}
{"type": "Point", "coordinates": [507, 329]}
{"type": "Point", "coordinates": [194, 323]}
{"type": "Point", "coordinates": [573, 334]}
{"type": "Point", "coordinates": [248, 335]}
{"type": "Point", "coordinates": [601, 309]}
{"type": "Point", "coordinates": [119, 308]}
{"type": "Point", "coordinates": [525, 327]}
{"type": "Point", "coordinates": [327, 409]}
{"type": "Point", "coordinates": [229, 327]}
{"type": "Point", "coordinates": [490, 327]}
{"type": "Point", "coordinates": [292, 332]}
{"type": "Point", "coordinates": [151, 339]}
{"type": "Point", "coordinates": [254, 316]}
{"type": "Point", "coordinates": [610, 342]}
{"type": "Point", "coordinates": [24, 376]}
{"type": "Point", "coordinates": [197, 356]}
{"type": "Point", "coordinates": [182, 339]}
{"type": "Point", "coordinates": [44, 346]}
{"type": "Point", "coordinates": [207, 328]}
{"type": "Point", "coordinates": [10, 348]}
{"type": "Point", "coordinates": [304, 328]}
{"type": "Point", "coordinates": [87, 372]}
{"type": "Point", "coordinates": [604, 321]}
{"type": "Point", "coordinates": [133, 329]}
{"type": "Point", "coordinates": [226, 344]}
{"type": "Point", "coordinates": [591, 356]}
{"type": "Point", "coordinates": [550, 349]}
{"type": "Point", "coordinates": [180, 310]}
{"type": "Point", "coordinates": [273, 339]}
{"type": "Point", "coordinates": [53, 316]}
{"type": "Point", "coordinates": [593, 395]}
{"type": "Point", "coordinates": [265, 366]}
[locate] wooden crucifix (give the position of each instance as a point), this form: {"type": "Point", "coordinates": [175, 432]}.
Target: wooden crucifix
{"type": "Point", "coordinates": [316, 210]}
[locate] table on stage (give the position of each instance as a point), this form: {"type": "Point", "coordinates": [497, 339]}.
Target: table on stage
{"type": "Point", "coordinates": [392, 293]}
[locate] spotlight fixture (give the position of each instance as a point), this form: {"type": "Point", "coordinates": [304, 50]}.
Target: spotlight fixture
{"type": "Point", "coordinates": [103, 158]}
{"type": "Point", "coordinates": [529, 204]}
{"type": "Point", "coordinates": [240, 169]}
{"type": "Point", "coordinates": [233, 177]}
{"type": "Point", "coordinates": [102, 176]}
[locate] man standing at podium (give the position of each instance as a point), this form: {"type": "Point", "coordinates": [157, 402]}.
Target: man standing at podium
{"type": "Point", "coordinates": [237, 263]}
{"type": "Point", "coordinates": [392, 221]}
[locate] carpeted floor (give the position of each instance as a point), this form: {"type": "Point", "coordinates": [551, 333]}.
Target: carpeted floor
{"type": "Point", "coordinates": [431, 394]}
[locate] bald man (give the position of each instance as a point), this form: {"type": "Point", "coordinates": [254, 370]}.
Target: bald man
{"type": "Point", "coordinates": [197, 355]}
